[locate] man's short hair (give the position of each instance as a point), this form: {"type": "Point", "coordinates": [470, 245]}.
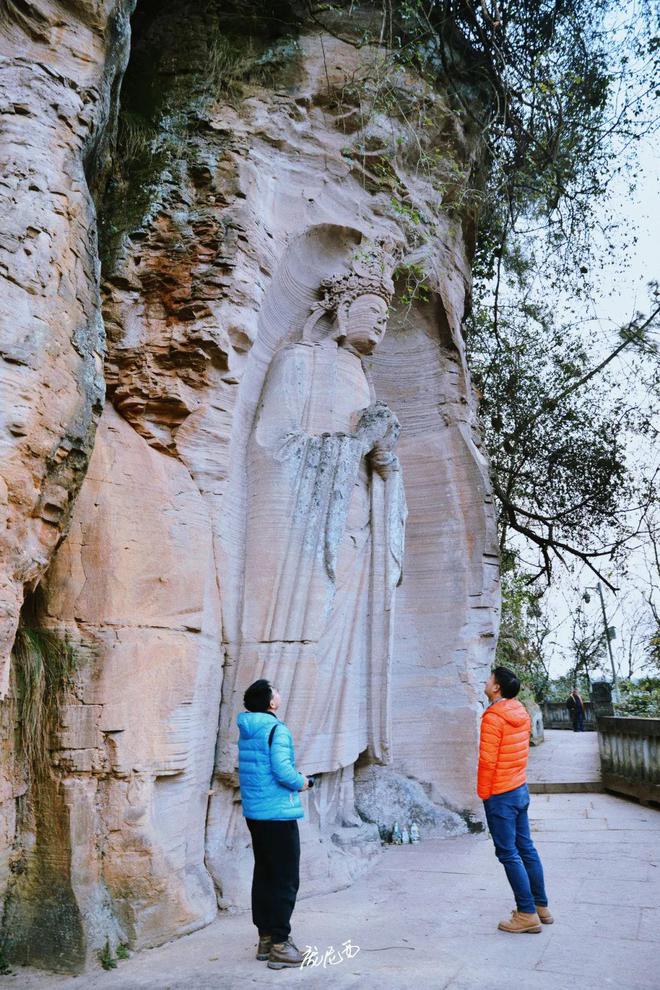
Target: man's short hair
{"type": "Point", "coordinates": [508, 682]}
{"type": "Point", "coordinates": [258, 696]}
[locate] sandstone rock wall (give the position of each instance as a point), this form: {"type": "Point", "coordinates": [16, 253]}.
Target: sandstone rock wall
{"type": "Point", "coordinates": [237, 190]}
{"type": "Point", "coordinates": [145, 721]}
{"type": "Point", "coordinates": [60, 68]}
{"type": "Point", "coordinates": [59, 78]}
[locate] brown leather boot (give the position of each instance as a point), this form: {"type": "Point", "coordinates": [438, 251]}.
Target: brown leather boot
{"type": "Point", "coordinates": [544, 915]}
{"type": "Point", "coordinates": [263, 949]}
{"type": "Point", "coordinates": [283, 954]}
{"type": "Point", "coordinates": [521, 922]}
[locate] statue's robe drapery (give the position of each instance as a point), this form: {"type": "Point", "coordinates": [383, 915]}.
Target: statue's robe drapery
{"type": "Point", "coordinates": [324, 546]}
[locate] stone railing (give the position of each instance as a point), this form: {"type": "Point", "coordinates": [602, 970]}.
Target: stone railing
{"type": "Point", "coordinates": [556, 715]}
{"type": "Point", "coordinates": [630, 756]}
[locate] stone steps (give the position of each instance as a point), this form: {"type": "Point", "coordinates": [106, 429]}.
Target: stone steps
{"type": "Point", "coordinates": [566, 787]}
{"type": "Point", "coordinates": [565, 763]}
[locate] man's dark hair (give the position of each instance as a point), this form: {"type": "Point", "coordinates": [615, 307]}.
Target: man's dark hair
{"type": "Point", "coordinates": [508, 682]}
{"type": "Point", "coordinates": [258, 696]}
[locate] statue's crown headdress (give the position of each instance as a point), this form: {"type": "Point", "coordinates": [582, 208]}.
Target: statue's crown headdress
{"type": "Point", "coordinates": [369, 274]}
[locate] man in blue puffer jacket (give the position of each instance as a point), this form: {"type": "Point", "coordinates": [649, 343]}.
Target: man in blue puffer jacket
{"type": "Point", "coordinates": [270, 786]}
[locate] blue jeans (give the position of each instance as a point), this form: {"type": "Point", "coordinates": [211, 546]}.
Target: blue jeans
{"type": "Point", "coordinates": [508, 823]}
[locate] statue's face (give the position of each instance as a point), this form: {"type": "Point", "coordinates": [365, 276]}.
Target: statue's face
{"type": "Point", "coordinates": [366, 322]}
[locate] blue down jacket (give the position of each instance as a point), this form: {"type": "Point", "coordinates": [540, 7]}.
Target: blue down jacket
{"type": "Point", "coordinates": [267, 775]}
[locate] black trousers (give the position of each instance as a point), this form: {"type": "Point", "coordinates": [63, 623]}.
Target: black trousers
{"type": "Point", "coordinates": [276, 878]}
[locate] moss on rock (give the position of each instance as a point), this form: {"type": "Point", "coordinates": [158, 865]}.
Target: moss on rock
{"type": "Point", "coordinates": [185, 57]}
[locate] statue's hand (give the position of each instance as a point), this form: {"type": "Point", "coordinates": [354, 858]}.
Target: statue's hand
{"type": "Point", "coordinates": [378, 427]}
{"type": "Point", "coordinates": [383, 460]}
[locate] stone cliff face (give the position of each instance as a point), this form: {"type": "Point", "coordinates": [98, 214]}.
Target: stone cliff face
{"type": "Point", "coordinates": [248, 166]}
{"type": "Point", "coordinates": [59, 78]}
{"type": "Point", "coordinates": [60, 70]}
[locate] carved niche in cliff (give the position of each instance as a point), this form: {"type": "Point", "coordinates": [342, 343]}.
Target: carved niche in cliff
{"type": "Point", "coordinates": [321, 536]}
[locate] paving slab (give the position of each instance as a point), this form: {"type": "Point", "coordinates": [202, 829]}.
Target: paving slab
{"type": "Point", "coordinates": [611, 848]}
{"type": "Point", "coordinates": [563, 869]}
{"type": "Point", "coordinates": [613, 962]}
{"type": "Point", "coordinates": [571, 825]}
{"type": "Point", "coordinates": [425, 917]}
{"type": "Point", "coordinates": [475, 975]}
{"type": "Point", "coordinates": [605, 892]}
{"type": "Point", "coordinates": [594, 921]}
{"type": "Point", "coordinates": [565, 762]}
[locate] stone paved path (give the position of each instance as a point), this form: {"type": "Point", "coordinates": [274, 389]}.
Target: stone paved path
{"type": "Point", "coordinates": [565, 762]}
{"type": "Point", "coordinates": [426, 917]}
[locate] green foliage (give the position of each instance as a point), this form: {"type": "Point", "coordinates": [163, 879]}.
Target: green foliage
{"type": "Point", "coordinates": [228, 66]}
{"type": "Point", "coordinates": [534, 79]}
{"type": "Point", "coordinates": [106, 957]}
{"type": "Point", "coordinates": [526, 695]}
{"type": "Point", "coordinates": [639, 698]}
{"type": "Point", "coordinates": [522, 631]}
{"type": "Point", "coordinates": [403, 143]}
{"type": "Point", "coordinates": [589, 646]}
{"type": "Point", "coordinates": [235, 62]}
{"type": "Point", "coordinates": [135, 140]}
{"type": "Point", "coordinates": [653, 647]}
{"type": "Point", "coordinates": [414, 283]}
{"type": "Point", "coordinates": [45, 665]}
{"type": "Point", "coordinates": [407, 211]}
{"type": "Point", "coordinates": [559, 688]}
{"type": "Point", "coordinates": [5, 968]}
{"type": "Point", "coordinates": [560, 468]}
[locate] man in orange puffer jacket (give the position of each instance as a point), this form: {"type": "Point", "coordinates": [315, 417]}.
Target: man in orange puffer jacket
{"type": "Point", "coordinates": [501, 783]}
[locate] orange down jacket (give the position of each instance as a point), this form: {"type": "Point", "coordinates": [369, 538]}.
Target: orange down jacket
{"type": "Point", "coordinates": [503, 747]}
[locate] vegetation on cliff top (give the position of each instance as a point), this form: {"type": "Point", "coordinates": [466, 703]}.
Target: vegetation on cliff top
{"type": "Point", "coordinates": [184, 56]}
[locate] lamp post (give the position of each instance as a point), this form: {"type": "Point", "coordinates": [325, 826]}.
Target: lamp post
{"type": "Point", "coordinates": [608, 637]}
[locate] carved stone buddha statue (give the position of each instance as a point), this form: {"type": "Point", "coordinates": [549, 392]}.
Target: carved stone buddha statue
{"type": "Point", "coordinates": [325, 517]}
